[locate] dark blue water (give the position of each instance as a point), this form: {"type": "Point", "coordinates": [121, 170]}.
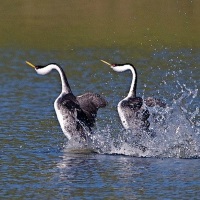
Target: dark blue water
{"type": "Point", "coordinates": [37, 161]}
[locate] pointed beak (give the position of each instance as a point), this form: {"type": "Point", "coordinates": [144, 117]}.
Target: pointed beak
{"type": "Point", "coordinates": [106, 63]}
{"type": "Point", "coordinates": [30, 64]}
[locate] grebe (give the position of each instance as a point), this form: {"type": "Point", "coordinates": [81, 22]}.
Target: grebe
{"type": "Point", "coordinates": [132, 111]}
{"type": "Point", "coordinates": [76, 114]}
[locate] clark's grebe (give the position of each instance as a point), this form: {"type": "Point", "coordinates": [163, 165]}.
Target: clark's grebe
{"type": "Point", "coordinates": [132, 111]}
{"type": "Point", "coordinates": [76, 114]}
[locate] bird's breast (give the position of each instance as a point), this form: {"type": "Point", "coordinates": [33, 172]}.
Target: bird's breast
{"type": "Point", "coordinates": [59, 113]}
{"type": "Point", "coordinates": [67, 118]}
{"type": "Point", "coordinates": [122, 115]}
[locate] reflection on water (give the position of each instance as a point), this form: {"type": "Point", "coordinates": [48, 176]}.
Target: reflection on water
{"type": "Point", "coordinates": [80, 175]}
{"type": "Point", "coordinates": [73, 169]}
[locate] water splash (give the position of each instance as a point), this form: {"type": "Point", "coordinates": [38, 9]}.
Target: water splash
{"type": "Point", "coordinates": [174, 133]}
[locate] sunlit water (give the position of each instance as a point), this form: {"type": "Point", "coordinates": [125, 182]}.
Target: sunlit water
{"type": "Point", "coordinates": [38, 161]}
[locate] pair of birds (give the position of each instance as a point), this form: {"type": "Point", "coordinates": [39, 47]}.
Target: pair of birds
{"type": "Point", "coordinates": [77, 114]}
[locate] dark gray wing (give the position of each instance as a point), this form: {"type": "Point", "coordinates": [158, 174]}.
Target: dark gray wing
{"type": "Point", "coordinates": [70, 102]}
{"type": "Point", "coordinates": [90, 103]}
{"type": "Point", "coordinates": [150, 101]}
{"type": "Point", "coordinates": [133, 103]}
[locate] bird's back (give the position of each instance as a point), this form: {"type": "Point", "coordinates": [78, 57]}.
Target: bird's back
{"type": "Point", "coordinates": [133, 114]}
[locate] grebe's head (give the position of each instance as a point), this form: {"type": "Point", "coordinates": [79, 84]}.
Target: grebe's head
{"type": "Point", "coordinates": [42, 70]}
{"type": "Point", "coordinates": [120, 67]}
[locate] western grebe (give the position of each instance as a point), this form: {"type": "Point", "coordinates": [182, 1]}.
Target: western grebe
{"type": "Point", "coordinates": [76, 114]}
{"type": "Point", "coordinates": [132, 111]}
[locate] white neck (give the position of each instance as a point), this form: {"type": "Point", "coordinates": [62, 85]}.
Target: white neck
{"type": "Point", "coordinates": [48, 68]}
{"type": "Point", "coordinates": [132, 91]}
{"type": "Point", "coordinates": [122, 68]}
{"type": "Point", "coordinates": [65, 85]}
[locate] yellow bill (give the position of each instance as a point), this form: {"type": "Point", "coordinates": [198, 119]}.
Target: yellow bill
{"type": "Point", "coordinates": [106, 62]}
{"type": "Point", "coordinates": [30, 64]}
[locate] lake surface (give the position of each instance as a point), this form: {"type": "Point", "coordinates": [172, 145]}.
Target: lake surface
{"type": "Point", "coordinates": [161, 38]}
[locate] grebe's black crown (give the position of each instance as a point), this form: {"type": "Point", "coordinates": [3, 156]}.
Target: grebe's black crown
{"type": "Point", "coordinates": [122, 64]}
{"type": "Point", "coordinates": [43, 66]}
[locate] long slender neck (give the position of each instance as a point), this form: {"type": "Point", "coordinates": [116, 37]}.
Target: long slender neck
{"type": "Point", "coordinates": [65, 85]}
{"type": "Point", "coordinates": [132, 91]}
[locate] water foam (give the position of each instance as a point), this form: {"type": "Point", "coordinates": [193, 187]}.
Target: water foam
{"type": "Point", "coordinates": [174, 133]}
